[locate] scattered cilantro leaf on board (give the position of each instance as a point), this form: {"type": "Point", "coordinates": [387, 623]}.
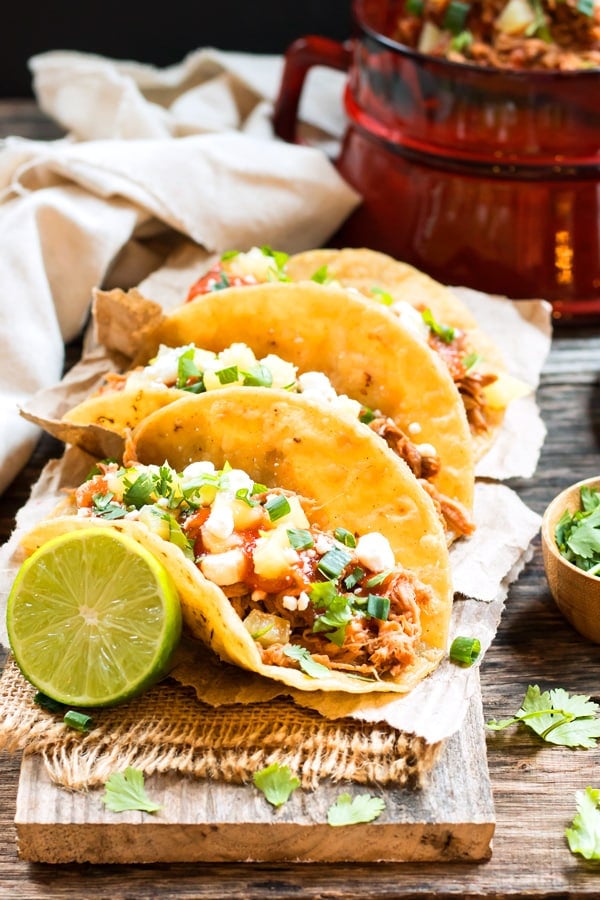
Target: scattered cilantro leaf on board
{"type": "Point", "coordinates": [125, 790]}
{"type": "Point", "coordinates": [277, 783]}
{"type": "Point", "coordinates": [558, 717]}
{"type": "Point", "coordinates": [306, 662]}
{"type": "Point", "coordinates": [584, 834]}
{"type": "Point", "coordinates": [352, 811]}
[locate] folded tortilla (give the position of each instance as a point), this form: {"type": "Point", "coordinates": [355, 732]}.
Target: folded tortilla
{"type": "Point", "coordinates": [486, 387]}
{"type": "Point", "coordinates": [344, 478]}
{"type": "Point", "coordinates": [366, 352]}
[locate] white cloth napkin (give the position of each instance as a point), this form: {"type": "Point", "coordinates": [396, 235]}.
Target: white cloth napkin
{"type": "Point", "coordinates": [149, 155]}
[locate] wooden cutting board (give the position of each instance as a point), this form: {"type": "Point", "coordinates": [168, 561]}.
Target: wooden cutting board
{"type": "Point", "coordinates": [450, 818]}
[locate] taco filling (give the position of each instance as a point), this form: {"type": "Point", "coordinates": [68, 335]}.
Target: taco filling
{"type": "Point", "coordinates": [309, 599]}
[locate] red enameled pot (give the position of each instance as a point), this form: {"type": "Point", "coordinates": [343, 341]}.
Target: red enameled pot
{"type": "Point", "coordinates": [488, 178]}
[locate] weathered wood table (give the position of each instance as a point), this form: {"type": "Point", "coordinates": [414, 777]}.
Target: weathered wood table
{"type": "Point", "coordinates": [533, 784]}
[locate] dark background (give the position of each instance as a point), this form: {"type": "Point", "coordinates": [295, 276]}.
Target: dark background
{"type": "Point", "coordinates": [160, 32]}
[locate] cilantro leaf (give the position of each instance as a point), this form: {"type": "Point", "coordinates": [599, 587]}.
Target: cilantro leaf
{"type": "Point", "coordinates": [277, 783]}
{"type": "Point", "coordinates": [584, 834]}
{"type": "Point", "coordinates": [557, 717]}
{"type": "Point", "coordinates": [446, 333]}
{"type": "Point", "coordinates": [306, 662]}
{"type": "Point", "coordinates": [125, 790]}
{"type": "Point", "coordinates": [352, 811]}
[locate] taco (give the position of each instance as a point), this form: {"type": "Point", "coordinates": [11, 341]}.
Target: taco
{"type": "Point", "coordinates": [442, 319]}
{"type": "Point", "coordinates": [367, 354]}
{"type": "Point", "coordinates": [314, 561]}
{"type": "Point", "coordinates": [477, 367]}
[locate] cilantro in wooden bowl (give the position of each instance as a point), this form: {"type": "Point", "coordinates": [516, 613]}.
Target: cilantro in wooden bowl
{"type": "Point", "coordinates": [571, 548]}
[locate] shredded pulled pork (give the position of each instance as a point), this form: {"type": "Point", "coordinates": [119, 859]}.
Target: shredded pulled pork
{"type": "Point", "coordinates": [455, 516]}
{"type": "Point", "coordinates": [470, 384]}
{"type": "Point", "coordinates": [371, 647]}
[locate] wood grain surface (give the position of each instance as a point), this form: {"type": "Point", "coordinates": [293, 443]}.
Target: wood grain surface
{"type": "Point", "coordinates": [533, 783]}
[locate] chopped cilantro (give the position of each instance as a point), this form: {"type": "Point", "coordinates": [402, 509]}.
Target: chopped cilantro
{"type": "Point", "coordinates": [188, 370]}
{"type": "Point", "coordinates": [103, 506]}
{"type": "Point", "coordinates": [229, 375]}
{"type": "Point", "coordinates": [306, 662]}
{"type": "Point", "coordinates": [349, 810]}
{"type": "Point", "coordinates": [277, 783]}
{"type": "Point", "coordinates": [125, 790]}
{"type": "Point", "coordinates": [366, 415]}
{"type": "Point", "coordinates": [583, 836]}
{"type": "Point", "coordinates": [557, 717]}
{"type": "Point", "coordinates": [258, 376]}
{"type": "Point", "coordinates": [578, 534]}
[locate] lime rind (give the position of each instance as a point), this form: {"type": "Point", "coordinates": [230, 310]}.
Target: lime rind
{"type": "Point", "coordinates": [93, 618]}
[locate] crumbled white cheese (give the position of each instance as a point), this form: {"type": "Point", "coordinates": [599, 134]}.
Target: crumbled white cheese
{"type": "Point", "coordinates": [254, 262]}
{"type": "Point", "coordinates": [414, 428]}
{"type": "Point", "coordinates": [220, 522]}
{"type": "Point", "coordinates": [323, 543]}
{"type": "Point", "coordinates": [411, 318]}
{"type": "Point", "coordinates": [289, 602]}
{"type": "Point", "coordinates": [224, 568]}
{"type": "Point", "coordinates": [426, 449]}
{"type": "Point", "coordinates": [374, 552]}
{"type": "Point", "coordinates": [303, 601]}
{"type": "Point", "coordinates": [317, 387]}
{"type": "Point", "coordinates": [197, 468]}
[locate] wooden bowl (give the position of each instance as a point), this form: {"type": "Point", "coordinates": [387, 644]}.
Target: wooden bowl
{"type": "Point", "coordinates": [576, 593]}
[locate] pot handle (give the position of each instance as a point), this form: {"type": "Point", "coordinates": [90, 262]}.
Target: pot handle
{"type": "Point", "coordinates": [301, 56]}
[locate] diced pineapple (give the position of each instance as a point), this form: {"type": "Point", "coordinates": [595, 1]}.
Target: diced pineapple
{"type": "Point", "coordinates": [516, 17]}
{"type": "Point", "coordinates": [296, 518]}
{"type": "Point", "coordinates": [239, 355]}
{"type": "Point", "coordinates": [245, 516]}
{"type": "Point", "coordinates": [155, 521]}
{"type": "Point", "coordinates": [504, 390]}
{"type": "Point", "coordinates": [273, 555]}
{"type": "Point", "coordinates": [267, 629]}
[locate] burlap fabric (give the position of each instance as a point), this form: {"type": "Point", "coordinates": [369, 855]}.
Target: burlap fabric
{"type": "Point", "coordinates": [168, 729]}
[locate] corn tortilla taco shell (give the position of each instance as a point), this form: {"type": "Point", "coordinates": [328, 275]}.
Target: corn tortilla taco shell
{"type": "Point", "coordinates": [365, 351]}
{"type": "Point", "coordinates": [365, 270]}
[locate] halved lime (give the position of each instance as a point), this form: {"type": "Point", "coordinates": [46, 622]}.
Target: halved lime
{"type": "Point", "coordinates": [93, 618]}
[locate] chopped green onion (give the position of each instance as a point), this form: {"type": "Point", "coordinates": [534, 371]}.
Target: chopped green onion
{"type": "Point", "coordinates": [383, 296]}
{"type": "Point", "coordinates": [277, 506]}
{"type": "Point", "coordinates": [354, 578]}
{"type": "Point", "coordinates": [222, 283]}
{"type": "Point", "coordinates": [333, 563]}
{"type": "Point", "coordinates": [366, 415]}
{"type": "Point", "coordinates": [465, 650]}
{"type": "Point", "coordinates": [78, 721]}
{"type": "Point", "coordinates": [345, 537]}
{"type": "Point", "coordinates": [243, 494]}
{"type": "Point", "coordinates": [228, 375]}
{"type": "Point", "coordinates": [229, 254]}
{"type": "Point", "coordinates": [48, 703]}
{"type": "Point", "coordinates": [455, 16]}
{"type": "Point", "coordinates": [462, 41]}
{"type": "Point", "coordinates": [378, 607]}
{"type": "Point", "coordinates": [444, 332]}
{"type": "Point", "coordinates": [586, 7]}
{"type": "Point", "coordinates": [470, 360]}
{"type": "Point", "coordinates": [258, 488]}
{"type": "Point", "coordinates": [321, 276]}
{"type": "Point", "coordinates": [300, 538]}
{"type": "Point", "coordinates": [258, 376]}
{"type": "Point", "coordinates": [415, 7]}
